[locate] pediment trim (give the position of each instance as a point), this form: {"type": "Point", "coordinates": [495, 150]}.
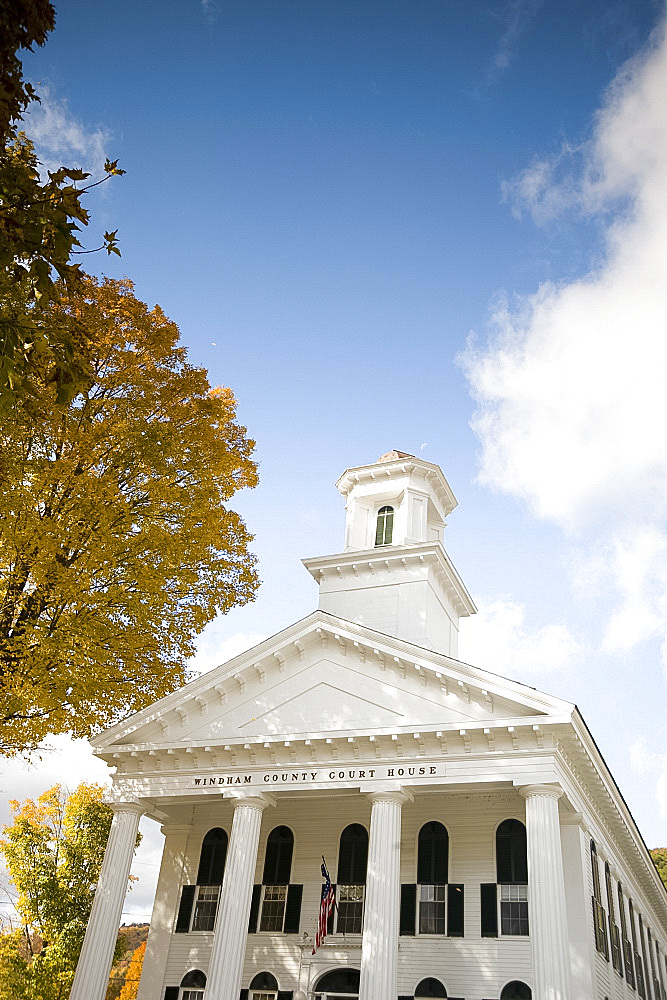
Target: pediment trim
{"type": "Point", "coordinates": [271, 656]}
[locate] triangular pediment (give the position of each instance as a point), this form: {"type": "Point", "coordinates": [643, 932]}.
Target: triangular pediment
{"type": "Point", "coordinates": [325, 677]}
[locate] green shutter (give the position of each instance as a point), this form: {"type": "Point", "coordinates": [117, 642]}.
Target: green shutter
{"type": "Point", "coordinates": [488, 893]}
{"type": "Point", "coordinates": [293, 909]}
{"type": "Point", "coordinates": [171, 993]}
{"type": "Point", "coordinates": [408, 909]}
{"type": "Point", "coordinates": [254, 909]}
{"type": "Point", "coordinates": [185, 909]}
{"type": "Point", "coordinates": [455, 910]}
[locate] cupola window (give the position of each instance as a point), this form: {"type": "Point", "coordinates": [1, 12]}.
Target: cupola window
{"type": "Point", "coordinates": [385, 526]}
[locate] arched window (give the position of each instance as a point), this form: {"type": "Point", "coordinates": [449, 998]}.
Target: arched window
{"type": "Point", "coordinates": [430, 988]}
{"type": "Point", "coordinates": [276, 877]}
{"type": "Point", "coordinates": [516, 991]}
{"type": "Point", "coordinates": [192, 985]}
{"type": "Point", "coordinates": [339, 982]}
{"type": "Point", "coordinates": [512, 876]}
{"type": "Point", "coordinates": [385, 526]}
{"type": "Point", "coordinates": [212, 857]}
{"type": "Point", "coordinates": [264, 986]}
{"type": "Point", "coordinates": [209, 879]}
{"type": "Point", "coordinates": [432, 864]}
{"type": "Point", "coordinates": [352, 861]}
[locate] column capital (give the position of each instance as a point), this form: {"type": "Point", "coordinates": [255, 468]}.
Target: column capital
{"type": "Point", "coordinates": [129, 806]}
{"type": "Point", "coordinates": [548, 791]}
{"type": "Point", "coordinates": [391, 792]}
{"type": "Point", "coordinates": [250, 799]}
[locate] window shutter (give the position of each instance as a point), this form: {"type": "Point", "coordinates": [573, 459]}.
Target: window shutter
{"type": "Point", "coordinates": [254, 909]}
{"type": "Point", "coordinates": [488, 893]}
{"type": "Point", "coordinates": [244, 994]}
{"type": "Point", "coordinates": [185, 909]}
{"type": "Point", "coordinates": [293, 909]}
{"type": "Point", "coordinates": [285, 994]}
{"type": "Point", "coordinates": [330, 920]}
{"type": "Point", "coordinates": [455, 910]}
{"type": "Point", "coordinates": [406, 998]}
{"type": "Point", "coordinates": [408, 908]}
{"type": "Point", "coordinates": [171, 993]}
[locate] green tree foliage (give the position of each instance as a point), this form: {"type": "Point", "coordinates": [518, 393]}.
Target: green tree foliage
{"type": "Point", "coordinates": [116, 542]}
{"type": "Point", "coordinates": [659, 855]}
{"type": "Point", "coordinates": [39, 219]}
{"type": "Point", "coordinates": [54, 850]}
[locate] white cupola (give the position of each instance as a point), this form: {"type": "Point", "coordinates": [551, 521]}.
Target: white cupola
{"type": "Point", "coordinates": [394, 574]}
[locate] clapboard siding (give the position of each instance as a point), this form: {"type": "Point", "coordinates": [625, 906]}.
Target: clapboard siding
{"type": "Point", "coordinates": [472, 967]}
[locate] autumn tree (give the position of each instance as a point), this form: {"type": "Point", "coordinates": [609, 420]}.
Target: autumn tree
{"type": "Point", "coordinates": [133, 974]}
{"type": "Point", "coordinates": [116, 542]}
{"type": "Point", "coordinates": [659, 855]}
{"type": "Point", "coordinates": [54, 850]}
{"type": "Point", "coordinates": [41, 217]}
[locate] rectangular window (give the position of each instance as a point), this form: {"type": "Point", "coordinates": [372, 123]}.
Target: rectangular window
{"type": "Point", "coordinates": [273, 908]}
{"type": "Point", "coordinates": [192, 995]}
{"type": "Point", "coordinates": [206, 906]}
{"type": "Point", "coordinates": [350, 909]}
{"type": "Point", "coordinates": [600, 927]}
{"type": "Point", "coordinates": [616, 954]}
{"type": "Point", "coordinates": [432, 906]}
{"type": "Point", "coordinates": [513, 909]}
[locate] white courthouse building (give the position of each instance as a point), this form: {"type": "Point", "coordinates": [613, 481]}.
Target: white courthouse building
{"type": "Point", "coordinates": [478, 844]}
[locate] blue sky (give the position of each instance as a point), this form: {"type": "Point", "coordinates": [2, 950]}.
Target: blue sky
{"type": "Point", "coordinates": [432, 226]}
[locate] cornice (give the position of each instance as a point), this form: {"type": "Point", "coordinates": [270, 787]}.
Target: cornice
{"type": "Point", "coordinates": [602, 805]}
{"type": "Point", "coordinates": [479, 737]}
{"type": "Point", "coordinates": [395, 559]}
{"type": "Point", "coordinates": [384, 471]}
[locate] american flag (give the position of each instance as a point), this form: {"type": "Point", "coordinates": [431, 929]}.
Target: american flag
{"type": "Point", "coordinates": [327, 904]}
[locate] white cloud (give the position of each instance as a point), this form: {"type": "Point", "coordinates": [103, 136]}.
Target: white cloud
{"type": "Point", "coordinates": [516, 16]}
{"type": "Point", "coordinates": [498, 639]}
{"type": "Point", "coordinates": [650, 765]}
{"type": "Point", "coordinates": [60, 139]}
{"type": "Point", "coordinates": [572, 406]}
{"type": "Point", "coordinates": [211, 10]}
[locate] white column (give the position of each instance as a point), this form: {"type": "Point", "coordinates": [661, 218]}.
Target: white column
{"type": "Point", "coordinates": [231, 925]}
{"type": "Point", "coordinates": [379, 944]}
{"type": "Point", "coordinates": [167, 895]}
{"type": "Point", "coordinates": [92, 971]}
{"type": "Point", "coordinates": [546, 894]}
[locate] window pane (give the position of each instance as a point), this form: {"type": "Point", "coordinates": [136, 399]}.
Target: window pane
{"type": "Point", "coordinates": [514, 909]}
{"type": "Point", "coordinates": [273, 908]}
{"type": "Point", "coordinates": [350, 909]}
{"type": "Point", "coordinates": [432, 909]}
{"type": "Point", "coordinates": [205, 907]}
